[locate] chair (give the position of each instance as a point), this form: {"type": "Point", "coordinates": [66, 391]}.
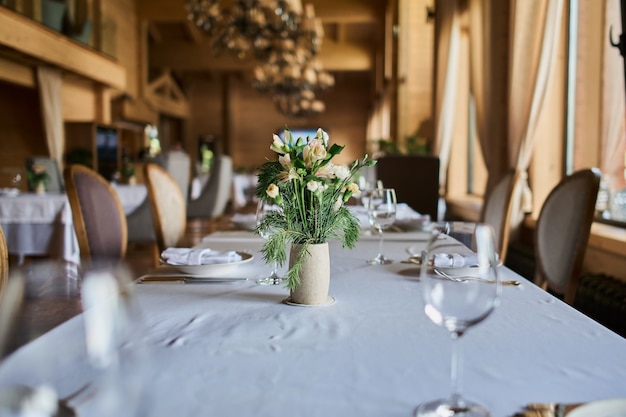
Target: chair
{"type": "Point", "coordinates": [415, 179]}
{"type": "Point", "coordinates": [214, 196]}
{"type": "Point", "coordinates": [178, 165]}
{"type": "Point", "coordinates": [562, 232]}
{"type": "Point", "coordinates": [98, 215]}
{"type": "Point", "coordinates": [498, 208]}
{"type": "Point", "coordinates": [167, 204]}
{"type": "Point", "coordinates": [4, 262]}
{"type": "Point", "coordinates": [55, 182]}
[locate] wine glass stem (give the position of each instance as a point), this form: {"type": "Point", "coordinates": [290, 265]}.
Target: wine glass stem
{"type": "Point", "coordinates": [456, 366]}
{"type": "Point", "coordinates": [380, 243]}
{"type": "Point", "coordinates": [274, 269]}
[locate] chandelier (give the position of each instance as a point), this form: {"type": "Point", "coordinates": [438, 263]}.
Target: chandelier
{"type": "Point", "coordinates": [281, 36]}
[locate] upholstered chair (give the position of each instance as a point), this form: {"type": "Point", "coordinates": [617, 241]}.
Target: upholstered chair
{"type": "Point", "coordinates": [98, 215]}
{"type": "Point", "coordinates": [215, 195]}
{"type": "Point", "coordinates": [497, 210]}
{"type": "Point", "coordinates": [562, 232]}
{"type": "Point", "coordinates": [168, 206]}
{"type": "Point", "coordinates": [4, 262]}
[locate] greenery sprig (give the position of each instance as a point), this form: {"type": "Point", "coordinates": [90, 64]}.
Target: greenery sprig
{"type": "Point", "coordinates": [311, 192]}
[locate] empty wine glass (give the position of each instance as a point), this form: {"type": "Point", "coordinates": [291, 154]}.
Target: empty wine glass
{"type": "Point", "coordinates": [66, 329]}
{"type": "Point", "coordinates": [460, 290]}
{"type": "Point", "coordinates": [273, 278]}
{"type": "Point", "coordinates": [381, 210]}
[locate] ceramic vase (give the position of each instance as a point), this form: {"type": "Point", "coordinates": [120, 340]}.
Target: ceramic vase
{"type": "Point", "coordinates": [314, 275]}
{"type": "Point", "coordinates": [40, 188]}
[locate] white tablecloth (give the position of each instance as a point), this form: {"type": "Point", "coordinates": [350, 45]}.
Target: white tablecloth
{"type": "Point", "coordinates": [235, 349]}
{"type": "Point", "coordinates": [41, 224]}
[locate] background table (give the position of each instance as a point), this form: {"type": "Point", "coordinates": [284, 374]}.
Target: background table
{"type": "Point", "coordinates": [235, 349]}
{"type": "Point", "coordinates": [41, 224]}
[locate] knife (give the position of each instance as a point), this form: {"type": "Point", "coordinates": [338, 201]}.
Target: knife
{"type": "Point", "coordinates": [185, 280]}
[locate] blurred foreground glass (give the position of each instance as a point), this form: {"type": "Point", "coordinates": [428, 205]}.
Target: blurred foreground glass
{"type": "Point", "coordinates": [66, 330]}
{"type": "Point", "coordinates": [460, 289]}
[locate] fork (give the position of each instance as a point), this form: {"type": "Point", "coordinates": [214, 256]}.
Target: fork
{"type": "Point", "coordinates": [467, 278]}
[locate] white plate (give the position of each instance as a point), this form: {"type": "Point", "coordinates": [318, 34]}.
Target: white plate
{"type": "Point", "coordinates": [461, 270]}
{"type": "Point", "coordinates": [615, 407]}
{"type": "Point", "coordinates": [212, 269]}
{"type": "Point", "coordinates": [245, 225]}
{"type": "Point", "coordinates": [9, 192]}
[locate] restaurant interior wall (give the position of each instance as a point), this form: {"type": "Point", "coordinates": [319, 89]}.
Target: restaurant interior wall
{"type": "Point", "coordinates": [22, 131]}
{"type": "Point", "coordinates": [250, 117]}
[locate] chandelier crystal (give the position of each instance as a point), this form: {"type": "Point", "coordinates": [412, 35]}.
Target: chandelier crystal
{"type": "Point", "coordinates": [282, 36]}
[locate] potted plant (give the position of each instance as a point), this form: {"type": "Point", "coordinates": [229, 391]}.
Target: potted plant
{"type": "Point", "coordinates": [37, 178]}
{"type": "Point", "coordinates": [310, 191]}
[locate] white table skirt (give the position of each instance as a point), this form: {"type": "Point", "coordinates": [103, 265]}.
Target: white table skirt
{"type": "Point", "coordinates": [235, 349]}
{"type": "Point", "coordinates": [42, 225]}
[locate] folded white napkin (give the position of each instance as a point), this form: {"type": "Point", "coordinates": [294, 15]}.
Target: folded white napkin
{"type": "Point", "coordinates": [454, 260]}
{"type": "Point", "coordinates": [187, 256]}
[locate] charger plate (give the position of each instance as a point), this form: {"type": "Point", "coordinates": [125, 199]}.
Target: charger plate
{"type": "Point", "coordinates": [615, 407]}
{"type": "Point", "coordinates": [212, 269]}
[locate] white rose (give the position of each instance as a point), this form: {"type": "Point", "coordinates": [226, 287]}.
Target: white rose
{"type": "Point", "coordinates": [341, 172]}
{"type": "Point", "coordinates": [313, 186]}
{"type": "Point", "coordinates": [272, 191]}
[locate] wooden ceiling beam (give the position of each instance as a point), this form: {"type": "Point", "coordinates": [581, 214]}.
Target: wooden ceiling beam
{"type": "Point", "coordinates": [195, 34]}
{"type": "Point", "coordinates": [185, 56]}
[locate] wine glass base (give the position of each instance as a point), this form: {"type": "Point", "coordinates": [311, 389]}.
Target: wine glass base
{"type": "Point", "coordinates": [451, 408]}
{"type": "Point", "coordinates": [379, 260]}
{"type": "Point", "coordinates": [271, 280]}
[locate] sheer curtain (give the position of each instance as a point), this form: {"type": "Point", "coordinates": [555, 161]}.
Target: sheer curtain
{"type": "Point", "coordinates": [535, 30]}
{"type": "Point", "coordinates": [50, 83]}
{"type": "Point", "coordinates": [448, 45]}
{"type": "Point", "coordinates": [488, 52]}
{"type": "Point", "coordinates": [613, 103]}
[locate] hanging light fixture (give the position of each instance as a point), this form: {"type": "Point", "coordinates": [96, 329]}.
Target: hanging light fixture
{"type": "Point", "coordinates": [281, 36]}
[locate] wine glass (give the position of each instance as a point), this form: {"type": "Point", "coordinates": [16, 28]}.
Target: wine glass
{"type": "Point", "coordinates": [381, 211]}
{"type": "Point", "coordinates": [460, 289]}
{"type": "Point", "coordinates": [261, 212]}
{"type": "Point", "coordinates": [70, 332]}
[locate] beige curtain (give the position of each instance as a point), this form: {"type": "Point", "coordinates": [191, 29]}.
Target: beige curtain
{"type": "Point", "coordinates": [488, 25]}
{"type": "Point", "coordinates": [50, 84]}
{"type": "Point", "coordinates": [613, 103]}
{"type": "Point", "coordinates": [448, 45]}
{"type": "Point", "coordinates": [535, 29]}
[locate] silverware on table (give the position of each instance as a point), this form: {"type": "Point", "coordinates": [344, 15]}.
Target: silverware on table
{"type": "Point", "coordinates": [181, 279]}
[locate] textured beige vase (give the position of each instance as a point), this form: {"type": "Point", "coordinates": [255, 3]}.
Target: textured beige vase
{"type": "Point", "coordinates": [314, 275]}
{"type": "Point", "coordinates": [40, 188]}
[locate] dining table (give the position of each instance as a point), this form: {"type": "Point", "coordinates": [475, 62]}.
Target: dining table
{"type": "Point", "coordinates": [42, 225]}
{"type": "Point", "coordinates": [231, 347]}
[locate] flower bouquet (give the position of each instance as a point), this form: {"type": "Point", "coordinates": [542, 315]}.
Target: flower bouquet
{"type": "Point", "coordinates": [36, 175]}
{"type": "Point", "coordinates": [310, 191]}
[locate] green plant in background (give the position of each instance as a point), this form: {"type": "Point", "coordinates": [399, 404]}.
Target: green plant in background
{"type": "Point", "coordinates": [36, 174]}
{"type": "Point", "coordinates": [310, 191]}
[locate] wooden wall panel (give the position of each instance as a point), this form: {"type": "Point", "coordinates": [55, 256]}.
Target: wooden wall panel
{"type": "Point", "coordinates": [79, 100]}
{"type": "Point", "coordinates": [22, 131]}
{"type": "Point", "coordinates": [254, 118]}
{"type": "Point", "coordinates": [123, 14]}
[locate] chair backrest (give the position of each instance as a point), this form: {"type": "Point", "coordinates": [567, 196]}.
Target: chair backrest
{"type": "Point", "coordinates": [178, 165]}
{"type": "Point", "coordinates": [562, 232]}
{"type": "Point", "coordinates": [216, 193]}
{"type": "Point", "coordinates": [168, 206]}
{"type": "Point", "coordinates": [98, 215]}
{"type": "Point", "coordinates": [55, 180]}
{"type": "Point", "coordinates": [497, 210]}
{"type": "Point", "coordinates": [415, 179]}
{"type": "Point", "coordinates": [4, 262]}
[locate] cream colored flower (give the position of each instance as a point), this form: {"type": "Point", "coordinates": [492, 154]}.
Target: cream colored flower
{"type": "Point", "coordinates": [322, 136]}
{"type": "Point", "coordinates": [313, 152]}
{"type": "Point", "coordinates": [341, 172]}
{"type": "Point", "coordinates": [285, 160]}
{"type": "Point", "coordinates": [313, 186]}
{"type": "Point", "coordinates": [278, 145]}
{"type": "Point", "coordinates": [272, 191]}
{"type": "Point", "coordinates": [354, 189]}
{"type": "Point", "coordinates": [288, 175]}
{"type": "Point", "coordinates": [327, 171]}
